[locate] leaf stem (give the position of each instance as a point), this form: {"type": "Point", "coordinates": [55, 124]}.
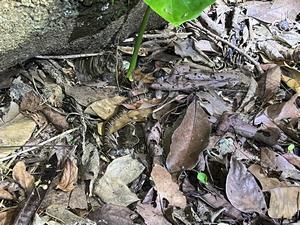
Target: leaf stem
{"type": "Point", "coordinates": [138, 43]}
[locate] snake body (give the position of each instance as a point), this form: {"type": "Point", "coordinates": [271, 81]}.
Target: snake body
{"type": "Point", "coordinates": [121, 110]}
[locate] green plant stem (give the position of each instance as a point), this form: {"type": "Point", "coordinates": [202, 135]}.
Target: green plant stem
{"type": "Point", "coordinates": [138, 43]}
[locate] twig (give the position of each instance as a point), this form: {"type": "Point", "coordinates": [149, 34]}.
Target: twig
{"type": "Point", "coordinates": [39, 145]}
{"type": "Point", "coordinates": [68, 56]}
{"type": "Point", "coordinates": [216, 37]}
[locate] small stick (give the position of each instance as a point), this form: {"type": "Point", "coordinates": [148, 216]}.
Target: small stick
{"type": "Point", "coordinates": [216, 37]}
{"type": "Point", "coordinates": [68, 56]}
{"type": "Point", "coordinates": [39, 145]}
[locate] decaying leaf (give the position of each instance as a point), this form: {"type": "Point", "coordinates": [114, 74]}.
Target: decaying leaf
{"type": "Point", "coordinates": [266, 182]}
{"type": "Point", "coordinates": [59, 121]}
{"type": "Point", "coordinates": [78, 198]}
{"type": "Point", "coordinates": [7, 217]}
{"type": "Point", "coordinates": [291, 77]}
{"type": "Point", "coordinates": [189, 139]}
{"type": "Point", "coordinates": [67, 217]}
{"type": "Point", "coordinates": [15, 133]}
{"type": "Point", "coordinates": [112, 214]}
{"type": "Point", "coordinates": [274, 161]}
{"type": "Point", "coordinates": [69, 178]}
{"type": "Point", "coordinates": [25, 179]}
{"type": "Point", "coordinates": [242, 190]}
{"type": "Point", "coordinates": [166, 188]}
{"type": "Point", "coordinates": [151, 215]}
{"type": "Point", "coordinates": [112, 186]}
{"type": "Point", "coordinates": [284, 202]}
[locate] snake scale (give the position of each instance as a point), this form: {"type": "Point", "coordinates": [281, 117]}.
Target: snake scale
{"type": "Point", "coordinates": [120, 110]}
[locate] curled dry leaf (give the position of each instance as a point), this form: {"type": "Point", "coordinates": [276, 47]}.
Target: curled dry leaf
{"type": "Point", "coordinates": [25, 179]}
{"type": "Point", "coordinates": [242, 190]}
{"type": "Point", "coordinates": [166, 188]}
{"type": "Point", "coordinates": [189, 139]}
{"type": "Point", "coordinates": [69, 178]}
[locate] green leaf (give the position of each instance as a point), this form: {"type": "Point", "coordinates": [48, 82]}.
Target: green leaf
{"type": "Point", "coordinates": [178, 11]}
{"type": "Point", "coordinates": [202, 177]}
{"type": "Point", "coordinates": [291, 148]}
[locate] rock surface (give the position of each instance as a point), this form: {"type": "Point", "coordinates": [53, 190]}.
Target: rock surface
{"type": "Point", "coordinates": [53, 27]}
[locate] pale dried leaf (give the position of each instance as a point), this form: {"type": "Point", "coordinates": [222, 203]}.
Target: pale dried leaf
{"type": "Point", "coordinates": [25, 179]}
{"type": "Point", "coordinates": [242, 190]}
{"type": "Point", "coordinates": [166, 187]}
{"type": "Point", "coordinates": [189, 139]}
{"type": "Point", "coordinates": [105, 108]}
{"type": "Point", "coordinates": [69, 178]}
{"type": "Point", "coordinates": [66, 217]}
{"type": "Point", "coordinates": [284, 202]}
{"type": "Point", "coordinates": [112, 186]}
{"type": "Point", "coordinates": [4, 194]}
{"type": "Point", "coordinates": [15, 133]}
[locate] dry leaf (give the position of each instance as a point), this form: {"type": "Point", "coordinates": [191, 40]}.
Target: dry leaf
{"type": "Point", "coordinates": [166, 188]}
{"type": "Point", "coordinates": [285, 110]}
{"type": "Point", "coordinates": [151, 215]}
{"type": "Point", "coordinates": [291, 77]}
{"type": "Point", "coordinates": [284, 202]}
{"type": "Point", "coordinates": [105, 108]}
{"type": "Point", "coordinates": [112, 215]}
{"type": "Point", "coordinates": [7, 217]}
{"type": "Point", "coordinates": [4, 194]}
{"type": "Point", "coordinates": [112, 186]}
{"type": "Point", "coordinates": [266, 182]}
{"type": "Point", "coordinates": [189, 139]}
{"type": "Point", "coordinates": [15, 133]}
{"type": "Point", "coordinates": [242, 190]}
{"type": "Point", "coordinates": [59, 121]}
{"type": "Point", "coordinates": [274, 161]}
{"type": "Point", "coordinates": [25, 179]}
{"type": "Point", "coordinates": [69, 178]}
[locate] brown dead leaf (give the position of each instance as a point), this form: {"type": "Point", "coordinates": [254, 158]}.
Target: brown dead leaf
{"type": "Point", "coordinates": [274, 161]}
{"type": "Point", "coordinates": [284, 202]}
{"type": "Point", "coordinates": [293, 159]}
{"type": "Point", "coordinates": [285, 110]}
{"type": "Point", "coordinates": [291, 77]}
{"type": "Point", "coordinates": [31, 102]}
{"type": "Point", "coordinates": [270, 82]}
{"type": "Point", "coordinates": [25, 179]}
{"type": "Point", "coordinates": [7, 217]}
{"type": "Point", "coordinates": [242, 190]}
{"type": "Point", "coordinates": [189, 139]}
{"type": "Point", "coordinates": [69, 178]}
{"type": "Point", "coordinates": [112, 215]}
{"type": "Point", "coordinates": [266, 182]}
{"type": "Point", "coordinates": [59, 121]}
{"type": "Point", "coordinates": [273, 11]}
{"type": "Point", "coordinates": [151, 215]}
{"type": "Point", "coordinates": [4, 194]}
{"type": "Point", "coordinates": [166, 188]}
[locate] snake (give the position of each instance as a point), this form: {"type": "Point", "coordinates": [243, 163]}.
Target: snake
{"type": "Point", "coordinates": [120, 110]}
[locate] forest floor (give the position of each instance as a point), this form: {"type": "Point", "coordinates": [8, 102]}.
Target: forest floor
{"type": "Point", "coordinates": [207, 133]}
